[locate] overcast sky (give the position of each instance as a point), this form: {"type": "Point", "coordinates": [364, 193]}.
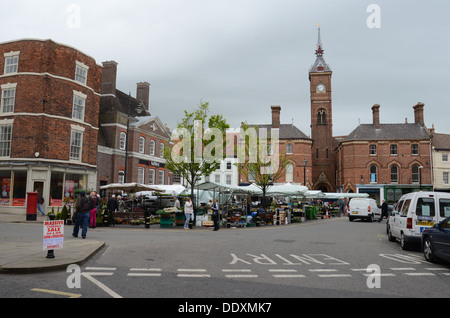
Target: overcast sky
{"type": "Point", "coordinates": [242, 56]}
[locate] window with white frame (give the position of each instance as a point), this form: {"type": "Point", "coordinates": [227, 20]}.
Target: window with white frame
{"type": "Point", "coordinates": [151, 177]}
{"type": "Point", "coordinates": [161, 150]}
{"type": "Point", "coordinates": [372, 150]}
{"type": "Point", "coordinates": [11, 62]}
{"type": "Point", "coordinates": [5, 140]}
{"type": "Point", "coordinates": [444, 157]}
{"type": "Point", "coordinates": [152, 147]}
{"type": "Point", "coordinates": [122, 140]}
{"type": "Point", "coordinates": [79, 104]}
{"type": "Point", "coordinates": [414, 149]}
{"type": "Point", "coordinates": [121, 176]}
{"type": "Point", "coordinates": [81, 73]}
{"type": "Point", "coordinates": [141, 172]}
{"type": "Point", "coordinates": [289, 148]}
{"type": "Point", "coordinates": [394, 150]}
{"type": "Point", "coordinates": [228, 179]}
{"type": "Point", "coordinates": [8, 98]}
{"type": "Point", "coordinates": [76, 144]}
{"type": "Point", "coordinates": [289, 172]}
{"type": "Point", "coordinates": [445, 177]}
{"type": "Point", "coordinates": [217, 178]}
{"type": "Point", "coordinates": [141, 144]}
{"type": "Point", "coordinates": [161, 177]}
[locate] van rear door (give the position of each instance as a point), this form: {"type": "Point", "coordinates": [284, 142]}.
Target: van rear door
{"type": "Point", "coordinates": [425, 214]}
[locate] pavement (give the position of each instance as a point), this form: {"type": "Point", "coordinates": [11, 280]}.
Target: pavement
{"type": "Point", "coordinates": [22, 256]}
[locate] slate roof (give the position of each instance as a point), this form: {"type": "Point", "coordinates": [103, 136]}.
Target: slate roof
{"type": "Point", "coordinates": [441, 141]}
{"type": "Point", "coordinates": [320, 62]}
{"type": "Point", "coordinates": [120, 103]}
{"type": "Point", "coordinates": [388, 132]}
{"type": "Point", "coordinates": [287, 131]}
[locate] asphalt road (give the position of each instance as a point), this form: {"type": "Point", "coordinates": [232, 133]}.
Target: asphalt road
{"type": "Point", "coordinates": [331, 258]}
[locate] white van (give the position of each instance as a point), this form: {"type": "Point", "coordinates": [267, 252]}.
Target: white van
{"type": "Point", "coordinates": [415, 212]}
{"type": "Point", "coordinates": [363, 208]}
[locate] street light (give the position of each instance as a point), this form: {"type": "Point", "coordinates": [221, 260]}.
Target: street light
{"type": "Point", "coordinates": [420, 178]}
{"type": "Point", "coordinates": [305, 162]}
{"type": "Point", "coordinates": [138, 109]}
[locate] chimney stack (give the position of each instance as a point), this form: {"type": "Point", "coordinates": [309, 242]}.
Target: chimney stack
{"type": "Point", "coordinates": [376, 115]}
{"type": "Point", "coordinates": [276, 116]}
{"type": "Point", "coordinates": [143, 94]}
{"type": "Point", "coordinates": [109, 75]}
{"type": "Point", "coordinates": [418, 114]}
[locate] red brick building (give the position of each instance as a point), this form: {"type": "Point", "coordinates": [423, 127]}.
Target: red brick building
{"type": "Point", "coordinates": [130, 150]}
{"type": "Point", "coordinates": [386, 160]}
{"type": "Point", "coordinates": [48, 121]}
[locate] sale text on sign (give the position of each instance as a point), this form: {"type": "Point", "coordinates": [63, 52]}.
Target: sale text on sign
{"type": "Point", "coordinates": [53, 235]}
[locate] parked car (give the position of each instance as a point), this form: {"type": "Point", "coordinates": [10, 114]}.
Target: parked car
{"type": "Point", "coordinates": [414, 213]}
{"type": "Point", "coordinates": [363, 208]}
{"type": "Point", "coordinates": [436, 242]}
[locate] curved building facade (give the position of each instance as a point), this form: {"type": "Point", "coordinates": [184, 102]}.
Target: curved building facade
{"type": "Point", "coordinates": [50, 97]}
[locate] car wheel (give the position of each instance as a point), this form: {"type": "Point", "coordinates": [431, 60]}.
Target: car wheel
{"type": "Point", "coordinates": [350, 219]}
{"type": "Point", "coordinates": [428, 250]}
{"type": "Point", "coordinates": [403, 243]}
{"type": "Point", "coordinates": [390, 237]}
{"type": "Point", "coordinates": [371, 218]}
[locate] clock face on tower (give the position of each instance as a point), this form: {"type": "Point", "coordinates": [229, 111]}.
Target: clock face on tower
{"type": "Point", "coordinates": [321, 88]}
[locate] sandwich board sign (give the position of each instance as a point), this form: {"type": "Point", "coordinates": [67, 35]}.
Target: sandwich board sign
{"type": "Point", "coordinates": [53, 235]}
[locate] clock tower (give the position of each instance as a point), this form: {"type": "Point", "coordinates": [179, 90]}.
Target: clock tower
{"type": "Point", "coordinates": [323, 154]}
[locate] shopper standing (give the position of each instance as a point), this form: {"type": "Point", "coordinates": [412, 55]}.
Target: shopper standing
{"type": "Point", "coordinates": [188, 212]}
{"type": "Point", "coordinates": [215, 215]}
{"type": "Point", "coordinates": [82, 207]}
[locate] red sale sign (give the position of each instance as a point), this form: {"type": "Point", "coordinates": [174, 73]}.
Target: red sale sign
{"type": "Point", "coordinates": [53, 235]}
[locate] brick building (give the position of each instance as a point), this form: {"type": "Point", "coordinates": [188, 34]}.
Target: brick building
{"type": "Point", "coordinates": [143, 159]}
{"type": "Point", "coordinates": [386, 160]}
{"type": "Point", "coordinates": [297, 147]}
{"type": "Point", "coordinates": [48, 121]}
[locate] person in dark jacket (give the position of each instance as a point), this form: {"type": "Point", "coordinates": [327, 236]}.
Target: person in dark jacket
{"type": "Point", "coordinates": [82, 207]}
{"type": "Point", "coordinates": [384, 211]}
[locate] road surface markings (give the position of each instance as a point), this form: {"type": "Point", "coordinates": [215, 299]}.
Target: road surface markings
{"type": "Point", "coordinates": [239, 275]}
{"type": "Point", "coordinates": [102, 271]}
{"type": "Point", "coordinates": [142, 272]}
{"type": "Point", "coordinates": [55, 292]}
{"type": "Point", "coordinates": [323, 270]}
{"type": "Point", "coordinates": [285, 275]}
{"type": "Point", "coordinates": [420, 274]}
{"type": "Point", "coordinates": [402, 269]}
{"type": "Point", "coordinates": [190, 271]}
{"type": "Point", "coordinates": [102, 286]}
{"type": "Point", "coordinates": [334, 275]}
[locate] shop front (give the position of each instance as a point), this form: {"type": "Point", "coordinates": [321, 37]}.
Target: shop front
{"type": "Point", "coordinates": [56, 185]}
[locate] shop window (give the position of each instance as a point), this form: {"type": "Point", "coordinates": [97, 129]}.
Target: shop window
{"type": "Point", "coordinates": [74, 183]}
{"type": "Point", "coordinates": [5, 181]}
{"type": "Point", "coordinates": [56, 188]}
{"type": "Point", "coordinates": [19, 188]}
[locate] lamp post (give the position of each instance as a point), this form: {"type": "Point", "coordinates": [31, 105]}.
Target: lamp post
{"type": "Point", "coordinates": [139, 110]}
{"type": "Point", "coordinates": [420, 178]}
{"type": "Point", "coordinates": [304, 171]}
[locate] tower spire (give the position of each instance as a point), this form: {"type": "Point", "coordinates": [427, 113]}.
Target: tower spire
{"type": "Point", "coordinates": [319, 51]}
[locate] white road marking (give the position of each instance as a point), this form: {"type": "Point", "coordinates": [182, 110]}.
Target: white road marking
{"type": "Point", "coordinates": [420, 274]}
{"type": "Point", "coordinates": [102, 286]}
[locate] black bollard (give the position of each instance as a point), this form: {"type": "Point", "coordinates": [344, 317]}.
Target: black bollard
{"type": "Point", "coordinates": [51, 253]}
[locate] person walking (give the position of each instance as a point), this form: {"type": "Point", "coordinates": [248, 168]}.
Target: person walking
{"type": "Point", "coordinates": [83, 207]}
{"type": "Point", "coordinates": [384, 211]}
{"type": "Point", "coordinates": [40, 201]}
{"type": "Point", "coordinates": [215, 215]}
{"type": "Point", "coordinates": [188, 212]}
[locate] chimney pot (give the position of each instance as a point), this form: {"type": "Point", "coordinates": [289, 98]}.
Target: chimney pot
{"type": "Point", "coordinates": [143, 94]}
{"type": "Point", "coordinates": [376, 115]}
{"type": "Point", "coordinates": [418, 114]}
{"type": "Point", "coordinates": [276, 116]}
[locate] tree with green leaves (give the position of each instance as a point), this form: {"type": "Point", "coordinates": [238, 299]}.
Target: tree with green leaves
{"type": "Point", "coordinates": [197, 150]}
{"type": "Point", "coordinates": [259, 158]}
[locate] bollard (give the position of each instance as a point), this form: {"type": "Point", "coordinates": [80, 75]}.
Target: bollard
{"type": "Point", "coordinates": [229, 220]}
{"type": "Point", "coordinates": [257, 220]}
{"type": "Point", "coordinates": [147, 218]}
{"type": "Point", "coordinates": [105, 218]}
{"type": "Point", "coordinates": [278, 217]}
{"type": "Point", "coordinates": [51, 253]}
